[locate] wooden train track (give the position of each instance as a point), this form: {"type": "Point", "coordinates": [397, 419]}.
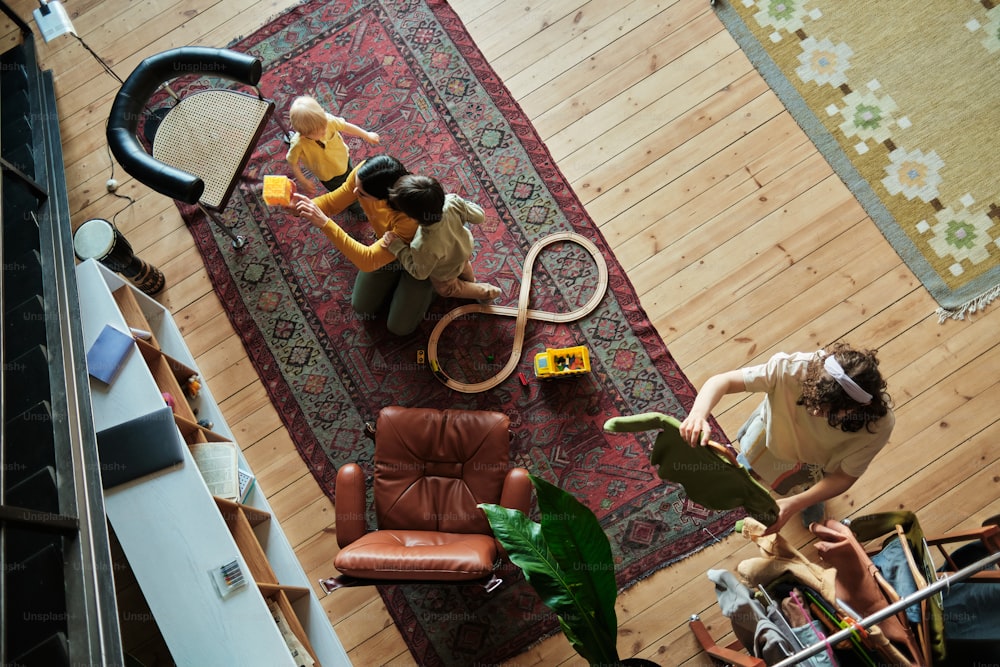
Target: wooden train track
{"type": "Point", "coordinates": [522, 313]}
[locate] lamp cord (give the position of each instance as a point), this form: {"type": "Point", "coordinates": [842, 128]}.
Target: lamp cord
{"type": "Point", "coordinates": [115, 192]}
{"type": "Point", "coordinates": [107, 68]}
{"type": "Point", "coordinates": [110, 72]}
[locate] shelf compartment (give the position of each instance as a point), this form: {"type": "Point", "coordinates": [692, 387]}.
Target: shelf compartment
{"type": "Point", "coordinates": [281, 597]}
{"type": "Point", "coordinates": [178, 501]}
{"type": "Point", "coordinates": [193, 432]}
{"type": "Point", "coordinates": [241, 521]}
{"type": "Point", "coordinates": [133, 314]}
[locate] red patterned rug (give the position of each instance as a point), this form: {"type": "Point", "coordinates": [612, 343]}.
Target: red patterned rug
{"type": "Point", "coordinates": [408, 70]}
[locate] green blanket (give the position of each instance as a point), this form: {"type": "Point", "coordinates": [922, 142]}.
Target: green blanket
{"type": "Point", "coordinates": [708, 477]}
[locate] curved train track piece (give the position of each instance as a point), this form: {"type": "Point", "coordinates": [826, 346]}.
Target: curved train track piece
{"type": "Point", "coordinates": [522, 313]}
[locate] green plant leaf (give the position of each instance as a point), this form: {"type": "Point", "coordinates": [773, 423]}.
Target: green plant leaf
{"type": "Point", "coordinates": [567, 560]}
{"type": "Point", "coordinates": [579, 543]}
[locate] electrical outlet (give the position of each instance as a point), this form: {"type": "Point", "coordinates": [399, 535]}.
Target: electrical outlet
{"type": "Point", "coordinates": [53, 20]}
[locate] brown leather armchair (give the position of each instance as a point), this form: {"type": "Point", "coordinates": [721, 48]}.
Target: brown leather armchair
{"type": "Point", "coordinates": [432, 469]}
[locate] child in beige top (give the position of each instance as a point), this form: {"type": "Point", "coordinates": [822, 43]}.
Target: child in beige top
{"type": "Point", "coordinates": [442, 246]}
{"type": "Point", "coordinates": [824, 417]}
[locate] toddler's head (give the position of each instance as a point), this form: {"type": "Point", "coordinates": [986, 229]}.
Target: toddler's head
{"type": "Point", "coordinates": [308, 118]}
{"type": "Point", "coordinates": [420, 197]}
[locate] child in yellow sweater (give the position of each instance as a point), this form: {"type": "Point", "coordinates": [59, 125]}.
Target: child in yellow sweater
{"type": "Point", "coordinates": [317, 143]}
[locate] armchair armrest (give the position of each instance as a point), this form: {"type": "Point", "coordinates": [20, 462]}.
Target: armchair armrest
{"type": "Point", "coordinates": [989, 535]}
{"type": "Point", "coordinates": [516, 493]}
{"type": "Point", "coordinates": [127, 108]}
{"type": "Point", "coordinates": [981, 541]}
{"type": "Point", "coordinates": [350, 504]}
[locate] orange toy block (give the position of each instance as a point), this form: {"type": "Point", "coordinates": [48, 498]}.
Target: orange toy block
{"type": "Point", "coordinates": [277, 191]}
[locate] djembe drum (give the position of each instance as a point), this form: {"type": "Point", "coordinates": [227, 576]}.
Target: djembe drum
{"type": "Point", "coordinates": [99, 239]}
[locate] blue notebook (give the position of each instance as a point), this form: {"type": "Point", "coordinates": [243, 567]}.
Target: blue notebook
{"type": "Point", "coordinates": [106, 356]}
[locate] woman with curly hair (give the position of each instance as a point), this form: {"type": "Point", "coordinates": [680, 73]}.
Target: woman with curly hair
{"type": "Point", "coordinates": [824, 417]}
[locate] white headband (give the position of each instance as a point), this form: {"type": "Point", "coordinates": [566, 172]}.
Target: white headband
{"type": "Point", "coordinates": [834, 368]}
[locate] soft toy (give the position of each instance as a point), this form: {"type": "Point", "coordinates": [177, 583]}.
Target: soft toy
{"type": "Point", "coordinates": [277, 190]}
{"type": "Point", "coordinates": [192, 387]}
{"type": "Point", "coordinates": [710, 477]}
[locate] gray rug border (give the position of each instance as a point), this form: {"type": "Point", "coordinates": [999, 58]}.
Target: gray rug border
{"type": "Point", "coordinates": [947, 298]}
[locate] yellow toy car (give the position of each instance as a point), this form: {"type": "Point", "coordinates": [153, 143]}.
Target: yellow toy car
{"type": "Point", "coordinates": [562, 362]}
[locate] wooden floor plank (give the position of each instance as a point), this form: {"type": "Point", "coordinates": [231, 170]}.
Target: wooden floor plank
{"type": "Point", "coordinates": [548, 80]}
{"type": "Point", "coordinates": [749, 307]}
{"type": "Point", "coordinates": [557, 46]}
{"type": "Point", "coordinates": [508, 26]}
{"type": "Point", "coordinates": [703, 177]}
{"type": "Point", "coordinates": [701, 259]}
{"type": "Point", "coordinates": [642, 42]}
{"type": "Point", "coordinates": [606, 113]}
{"type": "Point", "coordinates": [631, 88]}
{"type": "Point", "coordinates": [673, 150]}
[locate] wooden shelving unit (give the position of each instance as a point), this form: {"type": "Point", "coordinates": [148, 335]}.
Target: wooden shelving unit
{"type": "Point", "coordinates": [174, 532]}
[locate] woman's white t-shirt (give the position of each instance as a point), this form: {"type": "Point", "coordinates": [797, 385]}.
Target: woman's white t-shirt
{"type": "Point", "coordinates": [792, 434]}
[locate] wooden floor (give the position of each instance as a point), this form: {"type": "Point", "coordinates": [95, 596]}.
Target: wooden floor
{"type": "Point", "coordinates": [735, 232]}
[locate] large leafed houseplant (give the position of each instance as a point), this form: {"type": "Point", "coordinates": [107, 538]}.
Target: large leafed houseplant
{"type": "Point", "coordinates": [567, 560]}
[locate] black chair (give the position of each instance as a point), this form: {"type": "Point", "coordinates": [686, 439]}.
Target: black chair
{"type": "Point", "coordinates": [200, 145]}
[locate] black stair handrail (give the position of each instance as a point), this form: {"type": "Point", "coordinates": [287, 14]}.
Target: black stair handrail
{"type": "Point", "coordinates": [77, 530]}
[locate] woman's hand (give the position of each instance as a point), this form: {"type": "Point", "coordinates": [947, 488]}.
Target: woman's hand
{"type": "Point", "coordinates": [387, 239]}
{"type": "Point", "coordinates": [306, 208]}
{"type": "Point", "coordinates": [695, 429]}
{"type": "Point", "coordinates": [832, 485]}
{"type": "Point", "coordinates": [787, 508]}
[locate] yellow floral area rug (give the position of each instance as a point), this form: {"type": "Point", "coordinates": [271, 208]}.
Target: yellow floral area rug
{"type": "Point", "coordinates": [903, 100]}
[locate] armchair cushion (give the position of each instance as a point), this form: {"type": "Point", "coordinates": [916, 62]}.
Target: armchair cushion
{"type": "Point", "coordinates": [419, 555]}
{"type": "Point", "coordinates": [433, 467]}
